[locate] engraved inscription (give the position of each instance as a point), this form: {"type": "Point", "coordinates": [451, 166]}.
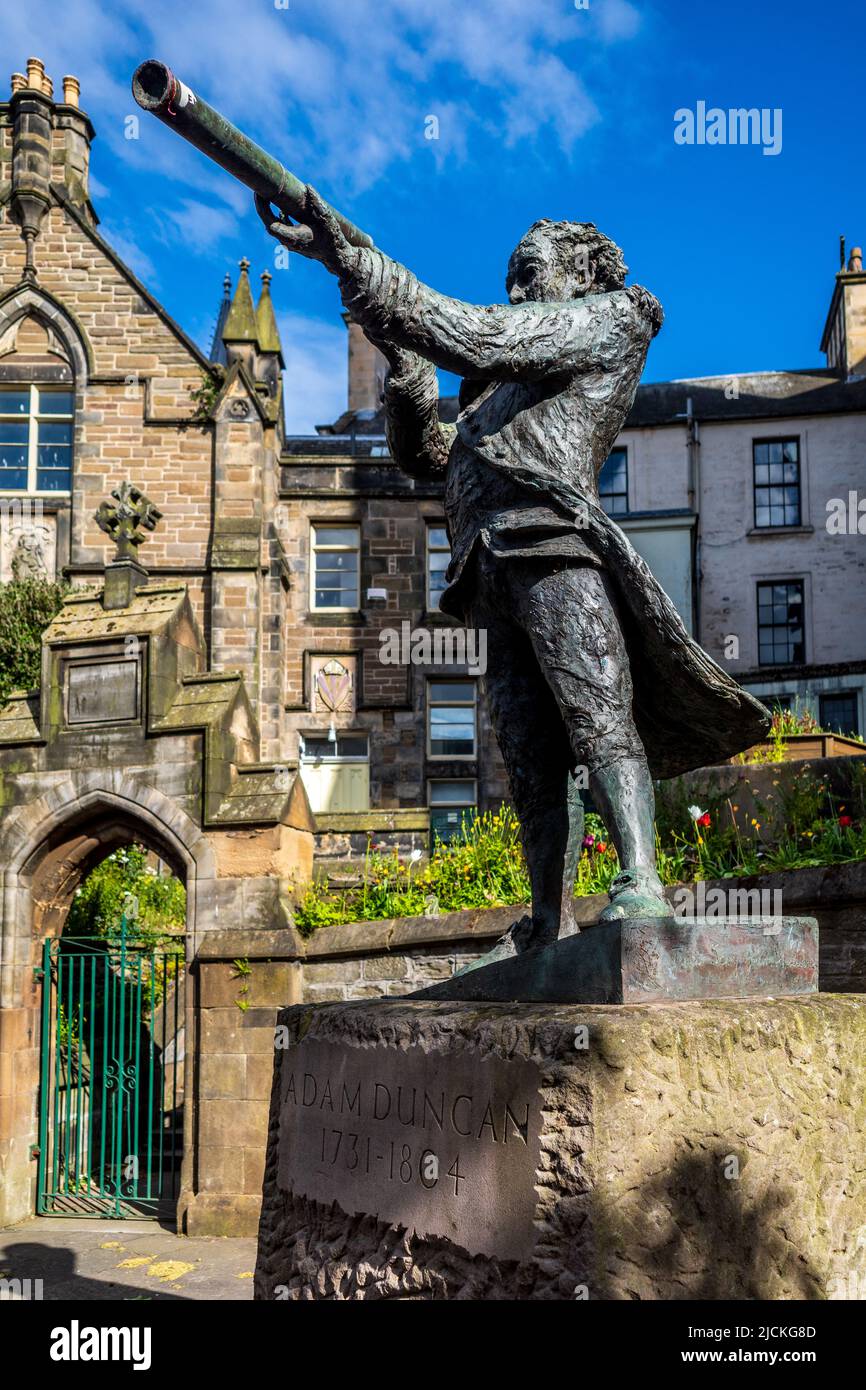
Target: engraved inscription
{"type": "Point", "coordinates": [444, 1144]}
{"type": "Point", "coordinates": [102, 691]}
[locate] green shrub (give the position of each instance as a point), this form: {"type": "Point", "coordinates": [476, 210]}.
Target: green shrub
{"type": "Point", "coordinates": [27, 606]}
{"type": "Point", "coordinates": [484, 867]}
{"type": "Point", "coordinates": [100, 902]}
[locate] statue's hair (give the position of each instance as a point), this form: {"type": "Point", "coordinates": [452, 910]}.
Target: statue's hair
{"type": "Point", "coordinates": [569, 238]}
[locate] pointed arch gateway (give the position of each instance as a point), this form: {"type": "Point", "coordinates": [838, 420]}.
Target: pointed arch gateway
{"type": "Point", "coordinates": [100, 1027]}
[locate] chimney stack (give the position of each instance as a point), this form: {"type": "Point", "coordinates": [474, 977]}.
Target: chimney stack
{"type": "Point", "coordinates": [36, 74]}
{"type": "Point", "coordinates": [367, 369]}
{"type": "Point", "coordinates": [50, 146]}
{"type": "Point", "coordinates": [71, 91]}
{"type": "Point", "coordinates": [844, 339]}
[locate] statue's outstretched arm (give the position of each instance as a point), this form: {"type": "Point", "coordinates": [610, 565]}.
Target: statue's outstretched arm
{"type": "Point", "coordinates": [499, 342]}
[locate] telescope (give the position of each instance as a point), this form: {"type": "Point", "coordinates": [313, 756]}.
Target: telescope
{"type": "Point", "coordinates": [157, 90]}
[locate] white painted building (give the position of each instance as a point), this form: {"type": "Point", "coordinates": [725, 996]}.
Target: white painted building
{"type": "Point", "coordinates": [744, 495]}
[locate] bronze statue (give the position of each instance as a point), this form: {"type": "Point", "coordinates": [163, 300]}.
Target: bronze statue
{"type": "Point", "coordinates": [590, 665]}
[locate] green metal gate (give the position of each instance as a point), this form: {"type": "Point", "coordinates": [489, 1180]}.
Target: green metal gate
{"type": "Point", "coordinates": [111, 1095]}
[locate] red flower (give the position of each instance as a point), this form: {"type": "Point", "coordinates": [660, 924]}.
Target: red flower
{"type": "Point", "coordinates": [601, 846]}
{"type": "Point", "coordinates": [845, 820]}
{"type": "Point", "coordinates": [704, 819]}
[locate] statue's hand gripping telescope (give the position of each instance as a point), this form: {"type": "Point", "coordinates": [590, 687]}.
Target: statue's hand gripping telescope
{"type": "Point", "coordinates": [156, 89]}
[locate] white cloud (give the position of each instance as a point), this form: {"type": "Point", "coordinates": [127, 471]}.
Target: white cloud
{"type": "Point", "coordinates": [315, 383]}
{"type": "Point", "coordinates": [201, 224]}
{"type": "Point", "coordinates": [337, 88]}
{"type": "Point", "coordinates": [617, 19]}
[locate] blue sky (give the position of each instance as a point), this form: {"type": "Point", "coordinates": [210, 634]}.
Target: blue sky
{"type": "Point", "coordinates": [544, 109]}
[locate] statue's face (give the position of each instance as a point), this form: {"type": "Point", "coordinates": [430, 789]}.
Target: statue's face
{"type": "Point", "coordinates": [539, 271]}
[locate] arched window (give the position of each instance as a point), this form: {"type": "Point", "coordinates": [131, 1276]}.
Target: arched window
{"type": "Point", "coordinates": [37, 409]}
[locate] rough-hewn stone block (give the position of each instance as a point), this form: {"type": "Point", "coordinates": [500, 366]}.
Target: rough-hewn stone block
{"type": "Point", "coordinates": [704, 1150]}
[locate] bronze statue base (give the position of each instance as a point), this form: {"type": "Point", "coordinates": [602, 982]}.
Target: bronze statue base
{"type": "Point", "coordinates": [656, 961]}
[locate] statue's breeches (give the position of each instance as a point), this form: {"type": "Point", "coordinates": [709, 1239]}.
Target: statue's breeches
{"type": "Point", "coordinates": [558, 682]}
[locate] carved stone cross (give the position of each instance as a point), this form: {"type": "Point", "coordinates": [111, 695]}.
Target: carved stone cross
{"type": "Point", "coordinates": [123, 518]}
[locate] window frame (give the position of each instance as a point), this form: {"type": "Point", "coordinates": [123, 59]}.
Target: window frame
{"type": "Point", "coordinates": [772, 525]}
{"type": "Point", "coordinates": [337, 758]}
{"type": "Point", "coordinates": [316, 549]}
{"type": "Point", "coordinates": [772, 584]}
{"type": "Point", "coordinates": [430, 527]}
{"type": "Point", "coordinates": [432, 704]}
{"type": "Point", "coordinates": [450, 805]}
{"type": "Point", "coordinates": [35, 417]}
{"type": "Point", "coordinates": [853, 696]}
{"type": "Point", "coordinates": [618, 449]}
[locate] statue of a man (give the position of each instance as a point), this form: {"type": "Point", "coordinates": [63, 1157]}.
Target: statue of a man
{"type": "Point", "coordinates": [589, 664]}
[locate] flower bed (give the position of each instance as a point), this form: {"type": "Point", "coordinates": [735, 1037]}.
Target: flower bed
{"type": "Point", "coordinates": [808, 825]}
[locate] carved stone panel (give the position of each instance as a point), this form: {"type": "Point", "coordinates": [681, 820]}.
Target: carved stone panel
{"type": "Point", "coordinates": [332, 683]}
{"type": "Point", "coordinates": [445, 1145]}
{"type": "Point", "coordinates": [102, 692]}
{"type": "Point", "coordinates": [28, 541]}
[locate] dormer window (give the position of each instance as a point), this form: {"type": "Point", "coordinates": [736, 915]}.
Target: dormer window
{"type": "Point", "coordinates": [36, 439]}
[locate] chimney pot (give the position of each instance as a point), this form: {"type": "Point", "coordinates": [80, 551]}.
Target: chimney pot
{"type": "Point", "coordinates": [19, 82]}
{"type": "Point", "coordinates": [855, 260]}
{"type": "Point", "coordinates": [71, 90]}
{"type": "Point", "coordinates": [36, 74]}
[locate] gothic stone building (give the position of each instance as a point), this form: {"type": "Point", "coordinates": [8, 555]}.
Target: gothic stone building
{"type": "Point", "coordinates": [300, 554]}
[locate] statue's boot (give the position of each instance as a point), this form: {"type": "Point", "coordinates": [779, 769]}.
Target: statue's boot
{"type": "Point", "coordinates": [636, 893]}
{"type": "Point", "coordinates": [623, 792]}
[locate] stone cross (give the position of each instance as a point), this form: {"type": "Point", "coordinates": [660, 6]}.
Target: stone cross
{"type": "Point", "coordinates": [124, 519]}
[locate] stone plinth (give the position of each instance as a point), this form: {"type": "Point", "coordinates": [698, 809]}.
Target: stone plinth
{"type": "Point", "coordinates": [652, 962]}
{"type": "Point", "coordinates": [704, 1150]}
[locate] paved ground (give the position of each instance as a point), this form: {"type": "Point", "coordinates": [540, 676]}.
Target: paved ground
{"type": "Point", "coordinates": [125, 1260]}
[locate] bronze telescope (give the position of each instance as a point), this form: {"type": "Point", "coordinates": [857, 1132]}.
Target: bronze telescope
{"type": "Point", "coordinates": [156, 89]}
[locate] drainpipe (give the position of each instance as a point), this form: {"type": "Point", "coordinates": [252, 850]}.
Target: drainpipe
{"type": "Point", "coordinates": [693, 446]}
